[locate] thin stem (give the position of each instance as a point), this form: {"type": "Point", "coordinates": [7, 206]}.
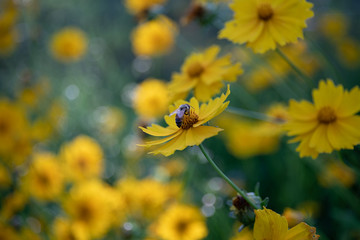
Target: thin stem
{"type": "Point", "coordinates": [252, 114]}
{"type": "Point", "coordinates": [241, 192]}
{"type": "Point", "coordinates": [294, 67]}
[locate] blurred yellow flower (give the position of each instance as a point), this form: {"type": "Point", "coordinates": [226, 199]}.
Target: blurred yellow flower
{"type": "Point", "coordinates": [44, 180]}
{"type": "Point", "coordinates": [329, 124]}
{"type": "Point", "coordinates": [12, 123]}
{"type": "Point", "coordinates": [68, 44]}
{"type": "Point", "coordinates": [181, 222]}
{"type": "Point", "coordinates": [334, 25]}
{"type": "Point", "coordinates": [271, 226]}
{"type": "Point", "coordinates": [261, 137]}
{"type": "Point", "coordinates": [155, 37]}
{"type": "Point", "coordinates": [264, 24]}
{"type": "Point", "coordinates": [259, 79]}
{"type": "Point", "coordinates": [245, 234]}
{"type": "Point", "coordinates": [89, 204]}
{"type": "Point", "coordinates": [278, 111]}
{"type": "Point", "coordinates": [190, 130]}
{"type": "Point", "coordinates": [173, 167]}
{"type": "Point", "coordinates": [204, 72]}
{"type": "Point", "coordinates": [151, 99]}
{"type": "Point", "coordinates": [293, 217]}
{"type": "Point", "coordinates": [66, 230]}
{"type": "Point", "coordinates": [140, 6]}
{"type": "Point", "coordinates": [348, 50]}
{"type": "Point", "coordinates": [8, 42]}
{"type": "Point", "coordinates": [146, 204]}
{"type": "Point", "coordinates": [7, 232]}
{"type": "Point", "coordinates": [12, 204]}
{"type": "Point", "coordinates": [111, 121]}
{"type": "Point", "coordinates": [5, 178]}
{"type": "Point", "coordinates": [336, 172]}
{"type": "Point", "coordinates": [83, 159]}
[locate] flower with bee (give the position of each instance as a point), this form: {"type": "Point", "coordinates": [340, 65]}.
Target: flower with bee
{"type": "Point", "coordinates": [185, 125]}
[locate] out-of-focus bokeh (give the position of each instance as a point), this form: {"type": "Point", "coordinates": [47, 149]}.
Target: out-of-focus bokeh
{"type": "Point", "coordinates": [78, 78]}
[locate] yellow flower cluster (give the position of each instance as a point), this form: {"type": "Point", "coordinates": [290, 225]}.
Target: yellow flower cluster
{"type": "Point", "coordinates": [8, 32]}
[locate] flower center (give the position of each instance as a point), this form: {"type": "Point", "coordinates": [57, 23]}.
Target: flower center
{"type": "Point", "coordinates": [189, 119]}
{"type": "Point", "coordinates": [326, 115]}
{"type": "Point", "coordinates": [195, 70]}
{"type": "Point", "coordinates": [181, 227]}
{"type": "Point", "coordinates": [265, 12]}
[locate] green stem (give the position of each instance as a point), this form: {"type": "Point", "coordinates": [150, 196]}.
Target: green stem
{"type": "Point", "coordinates": [294, 67]}
{"type": "Point", "coordinates": [241, 192]}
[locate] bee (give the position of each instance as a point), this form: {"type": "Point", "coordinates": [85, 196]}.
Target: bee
{"type": "Point", "coordinates": [184, 109]}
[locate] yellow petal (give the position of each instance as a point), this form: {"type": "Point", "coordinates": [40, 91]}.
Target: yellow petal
{"type": "Point", "coordinates": [269, 225]}
{"type": "Point", "coordinates": [319, 140]}
{"type": "Point", "coordinates": [178, 143]}
{"type": "Point", "coordinates": [303, 110]}
{"type": "Point", "coordinates": [351, 125]}
{"type": "Point", "coordinates": [339, 138]}
{"type": "Point", "coordinates": [160, 141]}
{"type": "Point", "coordinates": [302, 231]}
{"type": "Point", "coordinates": [204, 92]}
{"type": "Point", "coordinates": [350, 104]}
{"type": "Point", "coordinates": [195, 136]}
{"type": "Point", "coordinates": [156, 130]}
{"type": "Point", "coordinates": [299, 127]}
{"type": "Point", "coordinates": [328, 95]}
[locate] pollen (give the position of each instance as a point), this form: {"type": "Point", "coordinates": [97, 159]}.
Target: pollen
{"type": "Point", "coordinates": [189, 120]}
{"type": "Point", "coordinates": [265, 12]}
{"type": "Point", "coordinates": [326, 115]}
{"type": "Point", "coordinates": [195, 70]}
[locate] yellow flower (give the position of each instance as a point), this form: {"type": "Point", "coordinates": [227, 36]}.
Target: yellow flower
{"type": "Point", "coordinates": [334, 25]}
{"type": "Point", "coordinates": [293, 217]}
{"type": "Point", "coordinates": [263, 24]}
{"type": "Point", "coordinates": [261, 137]}
{"type": "Point", "coordinates": [69, 44]}
{"type": "Point", "coordinates": [65, 230]}
{"type": "Point", "coordinates": [5, 178]}
{"type": "Point", "coordinates": [181, 222]}
{"type": "Point", "coordinates": [147, 203]}
{"type": "Point", "coordinates": [140, 6]}
{"type": "Point", "coordinates": [328, 124]}
{"type": "Point", "coordinates": [271, 226]}
{"type": "Point", "coordinates": [89, 204]}
{"type": "Point", "coordinates": [111, 121]}
{"type": "Point", "coordinates": [12, 123]}
{"type": "Point", "coordinates": [204, 73]}
{"type": "Point", "coordinates": [151, 99]}
{"type": "Point", "coordinates": [45, 179]}
{"type": "Point", "coordinates": [83, 158]}
{"type": "Point", "coordinates": [259, 79]}
{"type": "Point", "coordinates": [12, 204]}
{"type": "Point", "coordinates": [190, 132]}
{"type": "Point", "coordinates": [348, 50]}
{"type": "Point", "coordinates": [155, 37]}
{"type": "Point", "coordinates": [337, 173]}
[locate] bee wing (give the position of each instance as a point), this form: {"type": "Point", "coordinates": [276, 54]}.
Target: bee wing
{"type": "Point", "coordinates": [174, 112]}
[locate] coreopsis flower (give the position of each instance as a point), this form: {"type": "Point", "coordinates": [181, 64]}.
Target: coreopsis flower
{"type": "Point", "coordinates": [69, 44]}
{"type": "Point", "coordinates": [204, 72]}
{"type": "Point", "coordinates": [140, 6]}
{"type": "Point", "coordinates": [264, 24]}
{"type": "Point", "coordinates": [83, 159]}
{"type": "Point", "coordinates": [89, 204]}
{"type": "Point", "coordinates": [45, 178]}
{"type": "Point", "coordinates": [64, 229]}
{"type": "Point", "coordinates": [154, 38]}
{"type": "Point", "coordinates": [293, 217]}
{"type": "Point", "coordinates": [334, 25]}
{"type": "Point", "coordinates": [181, 222]}
{"type": "Point", "coordinates": [329, 124]}
{"type": "Point", "coordinates": [151, 99]}
{"type": "Point", "coordinates": [271, 226]}
{"type": "Point", "coordinates": [348, 51]}
{"type": "Point", "coordinates": [337, 172]}
{"type": "Point", "coordinates": [186, 126]}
